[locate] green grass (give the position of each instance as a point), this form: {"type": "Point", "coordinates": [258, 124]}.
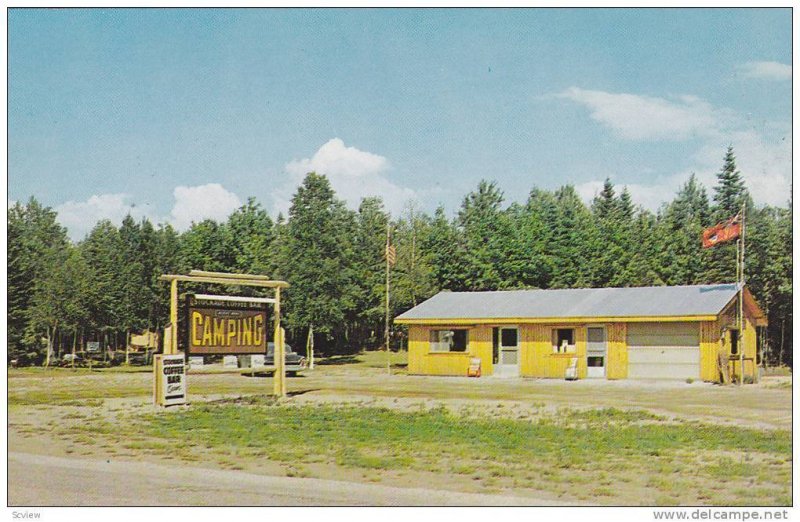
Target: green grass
{"type": "Point", "coordinates": [77, 396]}
{"type": "Point", "coordinates": [573, 450]}
{"type": "Point", "coordinates": [367, 359]}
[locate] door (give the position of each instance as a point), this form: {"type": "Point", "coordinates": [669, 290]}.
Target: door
{"type": "Point", "coordinates": [508, 358]}
{"type": "Point", "coordinates": [663, 351]}
{"type": "Point", "coordinates": [596, 352]}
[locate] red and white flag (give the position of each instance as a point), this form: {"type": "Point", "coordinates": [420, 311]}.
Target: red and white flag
{"type": "Point", "coordinates": [722, 232]}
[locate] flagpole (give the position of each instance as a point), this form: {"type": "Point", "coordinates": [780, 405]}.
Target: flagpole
{"type": "Point", "coordinates": [386, 332]}
{"type": "Point", "coordinates": [741, 301]}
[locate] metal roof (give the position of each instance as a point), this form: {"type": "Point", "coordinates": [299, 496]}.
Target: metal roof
{"type": "Point", "coordinates": [649, 301]}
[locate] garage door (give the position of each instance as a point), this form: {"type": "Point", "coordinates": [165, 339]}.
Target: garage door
{"type": "Point", "coordinates": [663, 351]}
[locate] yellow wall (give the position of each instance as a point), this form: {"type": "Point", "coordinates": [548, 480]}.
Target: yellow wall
{"type": "Point", "coordinates": [537, 357]}
{"type": "Point", "coordinates": [617, 358]}
{"type": "Point", "coordinates": [423, 362]}
{"type": "Point", "coordinates": [536, 351]}
{"type": "Point", "coordinates": [538, 360]}
{"type": "Point", "coordinates": [709, 346]}
{"type": "Point", "coordinates": [749, 345]}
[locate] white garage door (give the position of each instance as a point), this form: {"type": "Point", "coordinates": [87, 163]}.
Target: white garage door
{"type": "Point", "coordinates": [663, 350]}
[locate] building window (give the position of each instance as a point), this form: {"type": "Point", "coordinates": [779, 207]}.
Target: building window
{"type": "Point", "coordinates": [449, 340]}
{"type": "Point", "coordinates": [564, 340]}
{"type": "Point", "coordinates": [594, 361]}
{"type": "Point", "coordinates": [734, 342]}
{"type": "Point", "coordinates": [509, 336]}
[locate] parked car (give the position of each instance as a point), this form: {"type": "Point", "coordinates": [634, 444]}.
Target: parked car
{"type": "Point", "coordinates": [294, 361]}
{"type": "Point", "coordinates": [68, 359]}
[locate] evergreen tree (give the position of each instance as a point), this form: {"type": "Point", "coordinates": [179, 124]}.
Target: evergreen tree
{"type": "Point", "coordinates": [412, 276]}
{"type": "Point", "coordinates": [34, 239]}
{"type": "Point", "coordinates": [251, 233]}
{"type": "Point", "coordinates": [730, 192]}
{"type": "Point", "coordinates": [478, 221]}
{"type": "Point", "coordinates": [369, 271]}
{"type": "Point", "coordinates": [206, 246]}
{"type": "Point", "coordinates": [605, 204]}
{"type": "Point", "coordinates": [314, 260]}
{"type": "Point", "coordinates": [575, 242]}
{"type": "Point", "coordinates": [448, 252]}
{"type": "Point", "coordinates": [680, 258]}
{"type": "Point", "coordinates": [730, 195]}
{"type": "Point", "coordinates": [103, 250]}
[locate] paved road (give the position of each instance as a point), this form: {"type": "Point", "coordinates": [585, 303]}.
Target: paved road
{"type": "Point", "coordinates": [41, 480]}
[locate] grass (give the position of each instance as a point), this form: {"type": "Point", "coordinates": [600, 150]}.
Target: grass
{"type": "Point", "coordinates": [534, 440]}
{"type": "Point", "coordinates": [607, 450]}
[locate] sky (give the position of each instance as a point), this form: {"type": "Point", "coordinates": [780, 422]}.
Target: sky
{"type": "Point", "coordinates": [181, 115]}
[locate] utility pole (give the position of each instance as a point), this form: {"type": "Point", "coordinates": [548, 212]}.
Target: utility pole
{"type": "Point", "coordinates": [386, 332]}
{"type": "Point", "coordinates": [741, 301]}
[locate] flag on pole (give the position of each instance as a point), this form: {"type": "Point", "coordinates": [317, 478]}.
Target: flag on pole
{"type": "Point", "coordinates": [722, 232]}
{"type": "Point", "coordinates": [391, 255]}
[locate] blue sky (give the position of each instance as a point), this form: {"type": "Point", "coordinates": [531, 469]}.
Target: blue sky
{"type": "Point", "coordinates": [180, 115]}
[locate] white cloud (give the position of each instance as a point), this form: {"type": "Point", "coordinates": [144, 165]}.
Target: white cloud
{"type": "Point", "coordinates": [765, 164]}
{"type": "Point", "coordinates": [210, 201]}
{"type": "Point", "coordinates": [650, 196]}
{"type": "Point", "coordinates": [81, 216]}
{"type": "Point", "coordinates": [637, 117]}
{"type": "Point", "coordinates": [766, 70]}
{"type": "Point", "coordinates": [763, 153]}
{"type": "Point", "coordinates": [766, 167]}
{"type": "Point", "coordinates": [353, 173]}
{"type": "Point", "coordinates": [194, 204]}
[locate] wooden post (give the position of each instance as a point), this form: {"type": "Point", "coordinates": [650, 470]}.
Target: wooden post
{"type": "Point", "coordinates": [310, 347]}
{"type": "Point", "coordinates": [279, 358]}
{"type": "Point", "coordinates": [74, 343]}
{"type": "Point", "coordinates": [173, 317]}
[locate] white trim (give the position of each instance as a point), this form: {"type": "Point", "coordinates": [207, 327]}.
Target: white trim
{"type": "Point", "coordinates": [504, 368]}
{"type": "Point", "coordinates": [591, 369]}
{"type": "Point", "coordinates": [233, 298]}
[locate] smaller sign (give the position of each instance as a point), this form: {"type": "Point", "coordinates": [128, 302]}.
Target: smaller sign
{"type": "Point", "coordinates": [196, 362]}
{"type": "Point", "coordinates": [230, 361]}
{"type": "Point", "coordinates": [257, 360]}
{"type": "Point", "coordinates": [93, 346]}
{"type": "Point", "coordinates": [170, 377]}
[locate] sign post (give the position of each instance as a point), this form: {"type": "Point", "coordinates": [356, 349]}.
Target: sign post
{"type": "Point", "coordinates": [233, 326]}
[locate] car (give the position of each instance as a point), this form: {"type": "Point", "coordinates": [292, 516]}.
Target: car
{"type": "Point", "coordinates": [294, 361]}
{"type": "Point", "coordinates": [69, 359]}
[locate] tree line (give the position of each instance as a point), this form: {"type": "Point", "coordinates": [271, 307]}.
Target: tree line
{"type": "Point", "coordinates": [60, 294]}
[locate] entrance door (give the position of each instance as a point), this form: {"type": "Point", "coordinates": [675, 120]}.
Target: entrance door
{"type": "Point", "coordinates": [596, 352]}
{"type": "Point", "coordinates": [508, 358]}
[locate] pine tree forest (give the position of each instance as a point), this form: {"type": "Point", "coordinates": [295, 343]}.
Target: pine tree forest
{"type": "Point", "coordinates": [105, 287]}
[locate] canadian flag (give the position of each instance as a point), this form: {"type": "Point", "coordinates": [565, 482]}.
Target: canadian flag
{"type": "Point", "coordinates": [722, 232]}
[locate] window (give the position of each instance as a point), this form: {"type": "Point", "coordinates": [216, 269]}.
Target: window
{"type": "Point", "coordinates": [564, 340]}
{"type": "Point", "coordinates": [734, 342]}
{"type": "Point", "coordinates": [448, 340]}
{"type": "Point", "coordinates": [594, 362]}
{"type": "Point", "coordinates": [508, 336]}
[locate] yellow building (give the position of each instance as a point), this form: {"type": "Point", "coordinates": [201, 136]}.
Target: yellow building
{"type": "Point", "coordinates": [665, 332]}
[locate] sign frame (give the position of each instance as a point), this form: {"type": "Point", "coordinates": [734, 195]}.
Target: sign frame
{"type": "Point", "coordinates": [206, 303]}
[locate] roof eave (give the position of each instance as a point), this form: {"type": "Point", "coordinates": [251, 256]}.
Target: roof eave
{"type": "Point", "coordinates": [433, 321]}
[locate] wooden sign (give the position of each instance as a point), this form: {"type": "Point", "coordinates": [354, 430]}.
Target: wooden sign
{"type": "Point", "coordinates": [226, 328]}
{"type": "Point", "coordinates": [170, 380]}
